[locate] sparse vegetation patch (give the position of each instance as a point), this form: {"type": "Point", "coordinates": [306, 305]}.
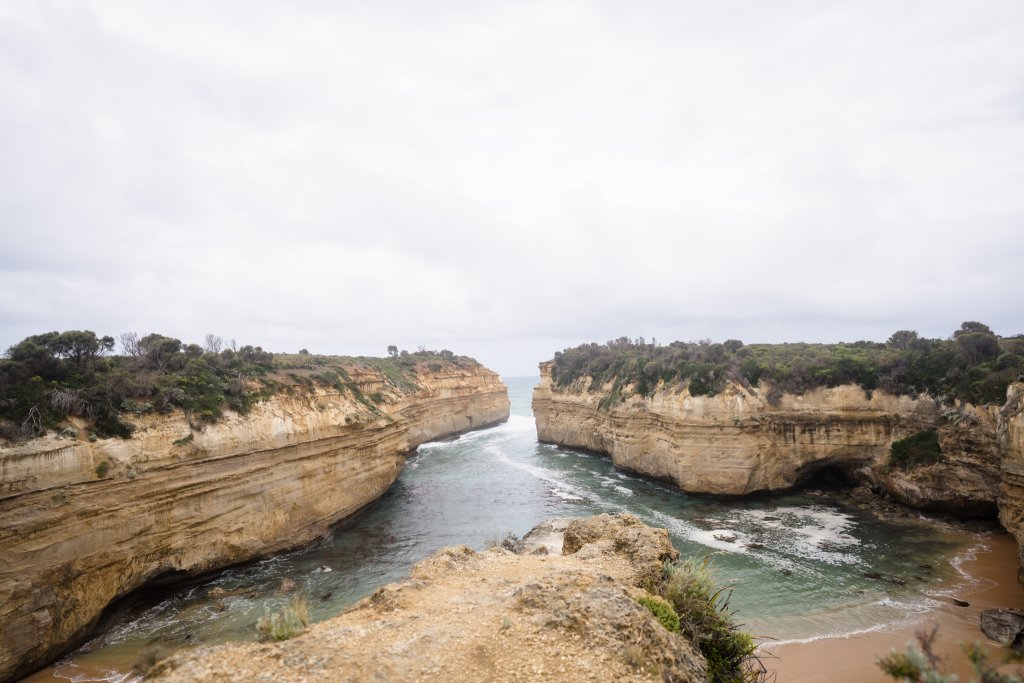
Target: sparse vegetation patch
{"type": "Point", "coordinates": [705, 618]}
{"type": "Point", "coordinates": [917, 450]}
{"type": "Point", "coordinates": [285, 623]}
{"type": "Point", "coordinates": [47, 378]}
{"type": "Point", "coordinates": [974, 365]}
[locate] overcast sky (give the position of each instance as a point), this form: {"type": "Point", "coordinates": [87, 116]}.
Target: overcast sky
{"type": "Point", "coordinates": [508, 179]}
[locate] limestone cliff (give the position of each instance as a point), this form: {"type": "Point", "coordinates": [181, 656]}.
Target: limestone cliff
{"type": "Point", "coordinates": [490, 616]}
{"type": "Point", "coordinates": [737, 442]}
{"type": "Point", "coordinates": [1011, 489]}
{"type": "Point", "coordinates": [84, 523]}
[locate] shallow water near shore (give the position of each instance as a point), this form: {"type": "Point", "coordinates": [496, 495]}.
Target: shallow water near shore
{"type": "Point", "coordinates": [798, 563]}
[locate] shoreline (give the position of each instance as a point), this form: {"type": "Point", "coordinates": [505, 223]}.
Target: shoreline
{"type": "Point", "coordinates": [986, 578]}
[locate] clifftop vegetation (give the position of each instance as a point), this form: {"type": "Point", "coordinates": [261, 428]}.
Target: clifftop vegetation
{"type": "Point", "coordinates": [973, 365]}
{"type": "Point", "coordinates": [48, 377]}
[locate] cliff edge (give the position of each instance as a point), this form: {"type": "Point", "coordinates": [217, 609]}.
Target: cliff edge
{"type": "Point", "coordinates": [86, 522]}
{"type": "Point", "coordinates": [480, 616]}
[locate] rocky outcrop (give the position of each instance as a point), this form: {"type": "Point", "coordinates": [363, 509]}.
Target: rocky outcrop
{"type": "Point", "coordinates": [470, 616]}
{"type": "Point", "coordinates": [1004, 626]}
{"type": "Point", "coordinates": [85, 523]}
{"type": "Point", "coordinates": [738, 442]}
{"type": "Point", "coordinates": [1010, 430]}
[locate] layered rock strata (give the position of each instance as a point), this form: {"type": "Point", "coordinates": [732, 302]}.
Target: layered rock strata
{"type": "Point", "coordinates": [1010, 431]}
{"type": "Point", "coordinates": [82, 523]}
{"type": "Point", "coordinates": [738, 442]}
{"type": "Point", "coordinates": [487, 616]}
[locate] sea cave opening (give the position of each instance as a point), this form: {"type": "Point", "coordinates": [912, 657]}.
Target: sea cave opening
{"type": "Point", "coordinates": [829, 477]}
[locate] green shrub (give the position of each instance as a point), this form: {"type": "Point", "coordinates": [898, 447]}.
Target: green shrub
{"type": "Point", "coordinates": [46, 378]}
{"type": "Point", "coordinates": [102, 469]}
{"type": "Point", "coordinates": [975, 365]}
{"type": "Point", "coordinates": [920, 663]}
{"type": "Point", "coordinates": [285, 623]}
{"type": "Point", "coordinates": [706, 620]}
{"type": "Point", "coordinates": [917, 450]}
{"type": "Point", "coordinates": [663, 611]}
{"type": "Point", "coordinates": [187, 439]}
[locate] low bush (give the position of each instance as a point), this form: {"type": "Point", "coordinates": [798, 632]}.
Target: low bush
{"type": "Point", "coordinates": [46, 378]}
{"type": "Point", "coordinates": [917, 450]}
{"type": "Point", "coordinates": [509, 542]}
{"type": "Point", "coordinates": [288, 622]}
{"type": "Point", "coordinates": [707, 621]}
{"type": "Point", "coordinates": [920, 664]}
{"type": "Point", "coordinates": [974, 365]}
{"type": "Point", "coordinates": [663, 611]}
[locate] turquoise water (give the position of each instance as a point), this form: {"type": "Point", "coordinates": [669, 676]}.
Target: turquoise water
{"type": "Point", "coordinates": [805, 581]}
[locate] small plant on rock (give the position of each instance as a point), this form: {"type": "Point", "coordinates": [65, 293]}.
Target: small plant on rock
{"type": "Point", "coordinates": [917, 450]}
{"type": "Point", "coordinates": [509, 542]}
{"type": "Point", "coordinates": [706, 620]}
{"type": "Point", "coordinates": [286, 623]}
{"type": "Point", "coordinates": [663, 611]}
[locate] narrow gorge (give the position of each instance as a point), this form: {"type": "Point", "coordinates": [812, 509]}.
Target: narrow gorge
{"type": "Point", "coordinates": [87, 521]}
{"type": "Point", "coordinates": [737, 441]}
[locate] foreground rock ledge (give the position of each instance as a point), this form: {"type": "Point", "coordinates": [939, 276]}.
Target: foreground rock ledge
{"type": "Point", "coordinates": [485, 616]}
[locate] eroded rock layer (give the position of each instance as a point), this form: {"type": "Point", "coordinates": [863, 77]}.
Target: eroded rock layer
{"type": "Point", "coordinates": [1010, 428]}
{"type": "Point", "coordinates": [492, 616]}
{"type": "Point", "coordinates": [86, 523]}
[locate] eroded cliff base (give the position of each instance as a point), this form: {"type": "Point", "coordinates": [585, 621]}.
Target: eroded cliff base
{"type": "Point", "coordinates": [494, 615]}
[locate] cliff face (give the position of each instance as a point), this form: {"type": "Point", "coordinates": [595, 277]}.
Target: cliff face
{"type": "Point", "coordinates": [1010, 428]}
{"type": "Point", "coordinates": [173, 501]}
{"type": "Point", "coordinates": [490, 616]}
{"type": "Point", "coordinates": [738, 443]}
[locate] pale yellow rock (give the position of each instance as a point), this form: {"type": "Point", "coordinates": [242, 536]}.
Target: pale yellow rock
{"type": "Point", "coordinates": [485, 616]}
{"type": "Point", "coordinates": [737, 443]}
{"type": "Point", "coordinates": [245, 487]}
{"type": "Point", "coordinates": [1011, 489]}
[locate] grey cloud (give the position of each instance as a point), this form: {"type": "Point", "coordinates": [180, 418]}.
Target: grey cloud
{"type": "Point", "coordinates": [508, 180]}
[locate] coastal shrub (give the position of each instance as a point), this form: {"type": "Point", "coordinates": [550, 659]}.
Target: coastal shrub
{"type": "Point", "coordinates": [920, 663]}
{"type": "Point", "coordinates": [509, 542]}
{"type": "Point", "coordinates": [917, 450]}
{"type": "Point", "coordinates": [47, 378]}
{"type": "Point", "coordinates": [663, 611]}
{"type": "Point", "coordinates": [102, 469]}
{"type": "Point", "coordinates": [974, 365]}
{"type": "Point", "coordinates": [285, 623]}
{"type": "Point", "coordinates": [707, 621]}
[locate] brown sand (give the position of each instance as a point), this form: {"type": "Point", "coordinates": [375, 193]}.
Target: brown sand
{"type": "Point", "coordinates": [853, 659]}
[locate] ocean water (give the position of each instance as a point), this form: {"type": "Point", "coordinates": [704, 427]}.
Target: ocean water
{"type": "Point", "coordinates": [796, 563]}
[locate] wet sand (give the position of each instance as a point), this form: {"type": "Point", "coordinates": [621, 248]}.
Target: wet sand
{"type": "Point", "coordinates": [989, 580]}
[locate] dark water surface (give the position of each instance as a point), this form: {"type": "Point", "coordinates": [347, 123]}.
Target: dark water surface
{"type": "Point", "coordinates": [805, 582]}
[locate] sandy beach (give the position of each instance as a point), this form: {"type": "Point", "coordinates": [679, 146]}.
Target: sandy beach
{"type": "Point", "coordinates": [989, 579]}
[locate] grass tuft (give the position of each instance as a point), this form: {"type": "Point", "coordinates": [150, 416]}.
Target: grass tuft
{"type": "Point", "coordinates": [288, 622]}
